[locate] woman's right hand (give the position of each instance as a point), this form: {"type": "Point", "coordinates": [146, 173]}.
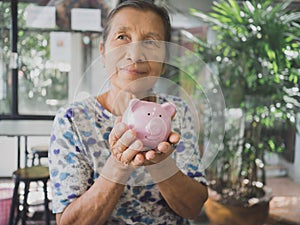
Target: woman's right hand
{"type": "Point", "coordinates": [124, 146]}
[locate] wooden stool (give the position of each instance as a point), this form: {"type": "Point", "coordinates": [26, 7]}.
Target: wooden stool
{"type": "Point", "coordinates": [38, 152]}
{"type": "Point", "coordinates": [28, 175]}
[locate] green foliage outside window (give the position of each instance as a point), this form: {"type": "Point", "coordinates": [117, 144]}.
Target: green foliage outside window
{"type": "Point", "coordinates": [42, 83]}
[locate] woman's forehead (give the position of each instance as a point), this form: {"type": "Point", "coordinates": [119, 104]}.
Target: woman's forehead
{"type": "Point", "coordinates": [129, 18]}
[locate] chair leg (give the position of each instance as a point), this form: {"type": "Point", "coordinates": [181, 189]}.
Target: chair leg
{"type": "Point", "coordinates": [14, 204]}
{"type": "Point", "coordinates": [46, 204]}
{"type": "Point", "coordinates": [25, 204]}
{"type": "Point", "coordinates": [33, 159]}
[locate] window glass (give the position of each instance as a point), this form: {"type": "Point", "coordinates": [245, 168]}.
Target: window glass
{"type": "Point", "coordinates": [5, 75]}
{"type": "Point", "coordinates": [43, 84]}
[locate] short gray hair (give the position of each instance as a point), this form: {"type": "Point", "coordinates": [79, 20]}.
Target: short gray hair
{"type": "Point", "coordinates": [144, 6]}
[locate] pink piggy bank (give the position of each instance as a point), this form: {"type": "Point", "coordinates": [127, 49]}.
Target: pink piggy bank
{"type": "Point", "coordinates": [151, 121]}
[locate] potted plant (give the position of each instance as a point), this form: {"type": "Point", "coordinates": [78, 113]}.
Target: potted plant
{"type": "Point", "coordinates": [256, 53]}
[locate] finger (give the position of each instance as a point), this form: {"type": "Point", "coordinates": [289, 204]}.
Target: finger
{"type": "Point", "coordinates": [126, 139]}
{"type": "Point", "coordinates": [122, 144]}
{"type": "Point", "coordinates": [138, 160]}
{"type": "Point", "coordinates": [118, 120]}
{"type": "Point", "coordinates": [165, 147]}
{"type": "Point", "coordinates": [174, 138]}
{"type": "Point", "coordinates": [117, 131]}
{"type": "Point", "coordinates": [129, 154]}
{"type": "Point", "coordinates": [150, 155]}
{"type": "Point", "coordinates": [117, 151]}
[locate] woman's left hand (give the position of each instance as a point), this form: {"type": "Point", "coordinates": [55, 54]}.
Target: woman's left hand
{"type": "Point", "coordinates": [164, 149]}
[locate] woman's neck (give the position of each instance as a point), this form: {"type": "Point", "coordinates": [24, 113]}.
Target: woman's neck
{"type": "Point", "coordinates": [151, 98]}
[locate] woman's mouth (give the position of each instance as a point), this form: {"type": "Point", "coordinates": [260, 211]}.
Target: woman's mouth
{"type": "Point", "coordinates": [133, 71]}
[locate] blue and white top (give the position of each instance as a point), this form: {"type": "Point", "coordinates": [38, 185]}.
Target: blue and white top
{"type": "Point", "coordinates": [79, 149]}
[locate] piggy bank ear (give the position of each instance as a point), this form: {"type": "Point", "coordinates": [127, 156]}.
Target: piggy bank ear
{"type": "Point", "coordinates": [170, 108]}
{"type": "Point", "coordinates": [133, 104]}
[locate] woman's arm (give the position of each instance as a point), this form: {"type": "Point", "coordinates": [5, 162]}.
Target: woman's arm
{"type": "Point", "coordinates": [94, 206]}
{"type": "Point", "coordinates": [183, 194]}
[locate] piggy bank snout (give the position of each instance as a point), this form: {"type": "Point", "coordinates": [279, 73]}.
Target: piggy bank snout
{"type": "Point", "coordinates": [156, 126]}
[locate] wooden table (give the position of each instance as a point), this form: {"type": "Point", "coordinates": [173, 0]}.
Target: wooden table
{"type": "Point", "coordinates": [24, 129]}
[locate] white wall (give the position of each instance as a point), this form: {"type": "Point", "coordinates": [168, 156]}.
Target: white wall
{"type": "Point", "coordinates": [294, 168]}
{"type": "Point", "coordinates": [90, 81]}
{"type": "Point", "coordinates": [75, 75]}
{"type": "Point", "coordinates": [8, 151]}
{"type": "Point", "coordinates": [296, 165]}
{"type": "Point", "coordinates": [8, 158]}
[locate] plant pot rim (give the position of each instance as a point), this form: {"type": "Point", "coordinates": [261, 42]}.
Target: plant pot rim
{"type": "Point", "coordinates": [266, 198]}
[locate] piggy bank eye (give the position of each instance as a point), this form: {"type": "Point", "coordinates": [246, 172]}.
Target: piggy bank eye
{"type": "Point", "coordinates": [149, 114]}
{"type": "Point", "coordinates": [160, 115]}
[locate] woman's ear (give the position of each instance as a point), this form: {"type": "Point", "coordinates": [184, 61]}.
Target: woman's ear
{"type": "Point", "coordinates": [101, 48]}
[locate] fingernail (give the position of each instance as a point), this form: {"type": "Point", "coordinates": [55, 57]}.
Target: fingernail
{"type": "Point", "coordinates": [136, 145]}
{"type": "Point", "coordinates": [129, 134]}
{"type": "Point", "coordinates": [160, 147]}
{"type": "Point", "coordinates": [121, 126]}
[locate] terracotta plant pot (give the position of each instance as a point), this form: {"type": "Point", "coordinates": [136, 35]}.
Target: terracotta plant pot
{"type": "Point", "coordinates": [220, 214]}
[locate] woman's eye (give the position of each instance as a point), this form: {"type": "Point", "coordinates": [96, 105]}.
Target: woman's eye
{"type": "Point", "coordinates": [151, 43]}
{"type": "Point", "coordinates": [121, 37]}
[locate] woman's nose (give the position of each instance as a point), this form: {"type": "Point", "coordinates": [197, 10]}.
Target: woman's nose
{"type": "Point", "coordinates": [135, 53]}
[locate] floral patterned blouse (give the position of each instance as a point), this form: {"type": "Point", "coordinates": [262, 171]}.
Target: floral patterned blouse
{"type": "Point", "coordinates": [79, 149]}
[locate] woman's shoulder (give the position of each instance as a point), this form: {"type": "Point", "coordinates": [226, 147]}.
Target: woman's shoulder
{"type": "Point", "coordinates": [181, 103]}
{"type": "Point", "coordinates": [170, 98]}
{"type": "Point", "coordinates": [84, 108]}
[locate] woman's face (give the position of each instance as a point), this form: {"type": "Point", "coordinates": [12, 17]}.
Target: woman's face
{"type": "Point", "coordinates": [134, 50]}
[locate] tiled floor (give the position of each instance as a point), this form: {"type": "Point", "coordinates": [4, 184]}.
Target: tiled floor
{"type": "Point", "coordinates": [35, 197]}
{"type": "Point", "coordinates": [284, 207]}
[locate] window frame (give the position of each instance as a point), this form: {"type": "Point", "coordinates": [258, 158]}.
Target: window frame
{"type": "Point", "coordinates": [14, 113]}
{"type": "Point", "coordinates": [14, 29]}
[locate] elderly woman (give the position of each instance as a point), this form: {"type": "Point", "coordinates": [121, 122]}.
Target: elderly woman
{"type": "Point", "coordinates": [93, 153]}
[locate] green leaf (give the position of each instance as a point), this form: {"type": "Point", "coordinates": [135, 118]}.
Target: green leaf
{"type": "Point", "coordinates": [271, 144]}
{"type": "Point", "coordinates": [291, 17]}
{"type": "Point", "coordinates": [285, 4]}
